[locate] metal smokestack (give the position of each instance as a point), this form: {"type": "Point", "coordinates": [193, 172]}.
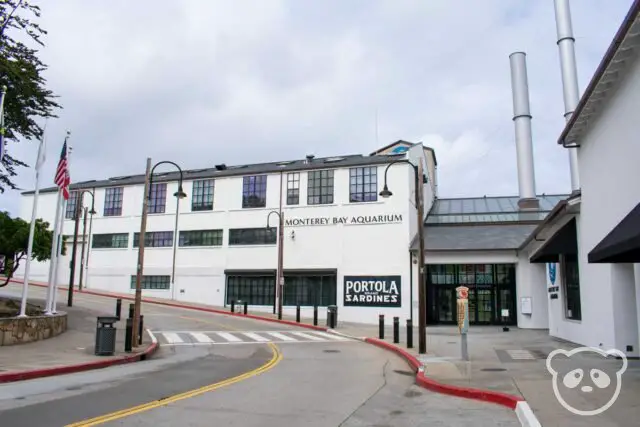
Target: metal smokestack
{"type": "Point", "coordinates": [566, 45]}
{"type": "Point", "coordinates": [524, 142]}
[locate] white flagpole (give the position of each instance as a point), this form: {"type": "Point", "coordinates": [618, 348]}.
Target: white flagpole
{"type": "Point", "coordinates": [54, 253]}
{"type": "Point", "coordinates": [56, 271]}
{"type": "Point", "coordinates": [34, 213]}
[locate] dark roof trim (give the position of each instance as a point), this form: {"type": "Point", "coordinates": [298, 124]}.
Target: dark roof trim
{"type": "Point", "coordinates": [622, 244]}
{"type": "Point", "coordinates": [472, 250]}
{"type": "Point", "coordinates": [557, 211]}
{"type": "Point", "coordinates": [611, 52]}
{"type": "Point", "coordinates": [563, 242]}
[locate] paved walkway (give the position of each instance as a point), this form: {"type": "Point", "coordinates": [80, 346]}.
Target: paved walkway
{"type": "Point", "coordinates": [73, 347]}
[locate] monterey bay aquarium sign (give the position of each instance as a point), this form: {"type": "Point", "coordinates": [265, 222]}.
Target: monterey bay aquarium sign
{"type": "Point", "coordinates": [346, 220]}
{"type": "Point", "coordinates": [372, 291]}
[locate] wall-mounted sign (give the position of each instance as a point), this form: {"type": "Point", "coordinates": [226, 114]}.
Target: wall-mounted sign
{"type": "Point", "coordinates": [553, 290]}
{"type": "Point", "coordinates": [552, 272]}
{"type": "Point", "coordinates": [372, 291]}
{"type": "Point", "coordinates": [346, 220]}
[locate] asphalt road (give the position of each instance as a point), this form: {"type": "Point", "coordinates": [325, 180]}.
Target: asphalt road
{"type": "Point", "coordinates": [287, 379]}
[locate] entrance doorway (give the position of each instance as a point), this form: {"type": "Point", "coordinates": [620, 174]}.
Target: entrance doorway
{"type": "Point", "coordinates": [492, 289]}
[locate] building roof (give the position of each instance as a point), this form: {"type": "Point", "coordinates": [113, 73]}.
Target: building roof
{"type": "Point", "coordinates": [621, 51]}
{"type": "Point", "coordinates": [484, 210]}
{"type": "Point", "coordinates": [475, 238]}
{"type": "Point", "coordinates": [403, 142]}
{"type": "Point", "coordinates": [239, 170]}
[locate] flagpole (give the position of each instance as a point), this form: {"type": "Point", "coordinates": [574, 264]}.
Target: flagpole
{"type": "Point", "coordinates": [54, 253]}
{"type": "Point", "coordinates": [3, 92]}
{"type": "Point", "coordinates": [59, 241]}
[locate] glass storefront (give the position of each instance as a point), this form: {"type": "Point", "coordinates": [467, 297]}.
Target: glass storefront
{"type": "Point", "coordinates": [492, 288]}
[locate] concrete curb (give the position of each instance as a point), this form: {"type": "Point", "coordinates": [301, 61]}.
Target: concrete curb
{"type": "Point", "coordinates": [517, 404]}
{"type": "Point", "coordinates": [69, 369]}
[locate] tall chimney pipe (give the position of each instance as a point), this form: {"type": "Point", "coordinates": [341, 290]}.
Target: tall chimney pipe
{"type": "Point", "coordinates": [566, 45]}
{"type": "Point", "coordinates": [524, 141]}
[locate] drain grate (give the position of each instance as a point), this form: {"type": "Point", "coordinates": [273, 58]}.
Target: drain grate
{"type": "Point", "coordinates": [493, 369]}
{"type": "Point", "coordinates": [331, 351]}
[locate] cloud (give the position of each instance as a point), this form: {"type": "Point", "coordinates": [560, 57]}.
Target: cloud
{"type": "Point", "coordinates": [206, 82]}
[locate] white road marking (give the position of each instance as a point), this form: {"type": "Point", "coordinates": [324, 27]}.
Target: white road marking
{"type": "Point", "coordinates": [332, 336]}
{"type": "Point", "coordinates": [198, 338]}
{"type": "Point", "coordinates": [307, 336]}
{"type": "Point", "coordinates": [227, 336]}
{"type": "Point", "coordinates": [172, 338]}
{"type": "Point", "coordinates": [255, 337]}
{"type": "Point", "coordinates": [201, 338]}
{"type": "Point", "coordinates": [281, 336]}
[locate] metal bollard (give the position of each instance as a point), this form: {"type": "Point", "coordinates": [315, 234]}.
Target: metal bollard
{"type": "Point", "coordinates": [409, 333]}
{"type": "Point", "coordinates": [118, 307]}
{"type": "Point", "coordinates": [246, 307]}
{"type": "Point", "coordinates": [140, 329]}
{"type": "Point", "coordinates": [396, 330]}
{"type": "Point", "coordinates": [315, 315]}
{"type": "Point", "coordinates": [128, 335]}
{"type": "Point", "coordinates": [298, 313]}
{"type": "Point", "coordinates": [233, 306]}
{"type": "Point", "coordinates": [381, 326]}
{"type": "Point", "coordinates": [131, 310]}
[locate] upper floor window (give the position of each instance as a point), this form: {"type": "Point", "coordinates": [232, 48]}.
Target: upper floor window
{"type": "Point", "coordinates": [363, 184]}
{"type": "Point", "coordinates": [293, 188]}
{"type": "Point", "coordinates": [253, 236]}
{"type": "Point", "coordinates": [158, 197]}
{"type": "Point", "coordinates": [201, 238]}
{"type": "Point", "coordinates": [202, 198]}
{"type": "Point", "coordinates": [72, 204]}
{"type": "Point", "coordinates": [320, 187]}
{"type": "Point", "coordinates": [254, 191]}
{"type": "Point", "coordinates": [154, 239]}
{"type": "Point", "coordinates": [110, 241]}
{"type": "Point", "coordinates": [113, 201]}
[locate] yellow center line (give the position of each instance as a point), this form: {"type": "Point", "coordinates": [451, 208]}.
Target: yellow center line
{"type": "Point", "coordinates": [275, 359]}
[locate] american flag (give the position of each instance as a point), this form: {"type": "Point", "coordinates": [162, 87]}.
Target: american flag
{"type": "Point", "coordinates": [62, 178]}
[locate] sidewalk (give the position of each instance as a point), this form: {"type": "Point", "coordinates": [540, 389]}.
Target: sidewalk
{"type": "Point", "coordinates": [72, 351]}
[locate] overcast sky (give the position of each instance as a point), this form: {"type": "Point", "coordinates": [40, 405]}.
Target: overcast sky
{"type": "Point", "coordinates": [203, 82]}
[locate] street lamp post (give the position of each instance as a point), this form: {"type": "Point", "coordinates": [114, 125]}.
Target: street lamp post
{"type": "Point", "coordinates": [85, 238]}
{"type": "Point", "coordinates": [280, 273]}
{"type": "Point", "coordinates": [148, 182]}
{"type": "Point", "coordinates": [422, 303]}
{"type": "Point", "coordinates": [74, 249]}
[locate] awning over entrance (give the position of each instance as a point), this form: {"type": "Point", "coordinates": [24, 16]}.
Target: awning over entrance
{"type": "Point", "coordinates": [564, 242]}
{"type": "Point", "coordinates": [622, 244]}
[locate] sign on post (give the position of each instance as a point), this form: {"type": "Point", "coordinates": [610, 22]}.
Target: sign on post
{"type": "Point", "coordinates": [372, 291]}
{"type": "Point", "coordinates": [462, 296]}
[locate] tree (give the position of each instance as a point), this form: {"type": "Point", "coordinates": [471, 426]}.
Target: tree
{"type": "Point", "coordinates": [14, 241]}
{"type": "Point", "coordinates": [21, 71]}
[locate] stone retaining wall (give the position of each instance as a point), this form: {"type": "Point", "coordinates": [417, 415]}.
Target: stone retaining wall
{"type": "Point", "coordinates": [14, 330]}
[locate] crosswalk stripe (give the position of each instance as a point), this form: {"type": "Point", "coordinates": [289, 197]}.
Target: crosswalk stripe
{"type": "Point", "coordinates": [200, 337]}
{"type": "Point", "coordinates": [332, 336]}
{"type": "Point", "coordinates": [227, 336]}
{"type": "Point", "coordinates": [281, 336]}
{"type": "Point", "coordinates": [307, 336]}
{"type": "Point", "coordinates": [172, 338]}
{"type": "Point", "coordinates": [255, 337]}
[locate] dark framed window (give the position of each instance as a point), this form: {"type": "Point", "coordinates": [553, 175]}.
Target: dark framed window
{"type": "Point", "coordinates": [152, 282]}
{"type": "Point", "coordinates": [202, 198]}
{"type": "Point", "coordinates": [293, 188]}
{"type": "Point", "coordinates": [72, 204]}
{"type": "Point", "coordinates": [571, 282]}
{"type": "Point", "coordinates": [154, 239]}
{"type": "Point", "coordinates": [253, 236]}
{"type": "Point", "coordinates": [254, 191]}
{"type": "Point", "coordinates": [254, 289]}
{"type": "Point", "coordinates": [363, 184]}
{"type": "Point", "coordinates": [310, 289]}
{"type": "Point", "coordinates": [320, 187]}
{"type": "Point", "coordinates": [115, 240]}
{"type": "Point", "coordinates": [113, 201]}
{"type": "Point", "coordinates": [158, 197]}
{"type": "Point", "coordinates": [200, 238]}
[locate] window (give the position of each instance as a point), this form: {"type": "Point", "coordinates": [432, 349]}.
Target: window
{"type": "Point", "coordinates": [202, 199]}
{"type": "Point", "coordinates": [293, 188]}
{"type": "Point", "coordinates": [104, 241]}
{"type": "Point", "coordinates": [363, 184]}
{"type": "Point", "coordinates": [571, 288]}
{"type": "Point", "coordinates": [154, 239]}
{"type": "Point", "coordinates": [255, 290]}
{"type": "Point", "coordinates": [253, 236]}
{"type": "Point", "coordinates": [320, 187]}
{"type": "Point", "coordinates": [158, 197]}
{"type": "Point", "coordinates": [72, 204]}
{"type": "Point", "coordinates": [254, 191]}
{"type": "Point", "coordinates": [310, 290]}
{"type": "Point", "coordinates": [152, 282]}
{"type": "Point", "coordinates": [113, 201]}
{"type": "Point", "coordinates": [201, 238]}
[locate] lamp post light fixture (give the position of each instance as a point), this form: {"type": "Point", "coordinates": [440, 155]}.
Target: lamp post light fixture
{"type": "Point", "coordinates": [422, 303]}
{"type": "Point", "coordinates": [74, 249]}
{"type": "Point", "coordinates": [86, 239]}
{"type": "Point", "coordinates": [280, 272]}
{"type": "Point", "coordinates": [148, 183]}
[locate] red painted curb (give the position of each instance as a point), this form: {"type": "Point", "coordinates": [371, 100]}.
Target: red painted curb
{"type": "Point", "coordinates": [68, 369]}
{"type": "Point", "coordinates": [422, 380]}
{"type": "Point", "coordinates": [189, 307]}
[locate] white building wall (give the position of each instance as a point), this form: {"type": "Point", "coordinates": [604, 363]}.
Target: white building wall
{"type": "Point", "coordinates": [531, 284]}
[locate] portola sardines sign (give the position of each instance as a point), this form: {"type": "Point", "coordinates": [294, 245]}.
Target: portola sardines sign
{"type": "Point", "coordinates": [372, 291]}
{"type": "Point", "coordinates": [348, 220]}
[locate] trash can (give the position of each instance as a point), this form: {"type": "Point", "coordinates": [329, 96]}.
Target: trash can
{"type": "Point", "coordinates": [105, 336]}
{"type": "Point", "coordinates": [332, 316]}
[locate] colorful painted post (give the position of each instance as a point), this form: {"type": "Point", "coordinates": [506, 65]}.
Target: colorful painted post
{"type": "Point", "coordinates": [462, 295]}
